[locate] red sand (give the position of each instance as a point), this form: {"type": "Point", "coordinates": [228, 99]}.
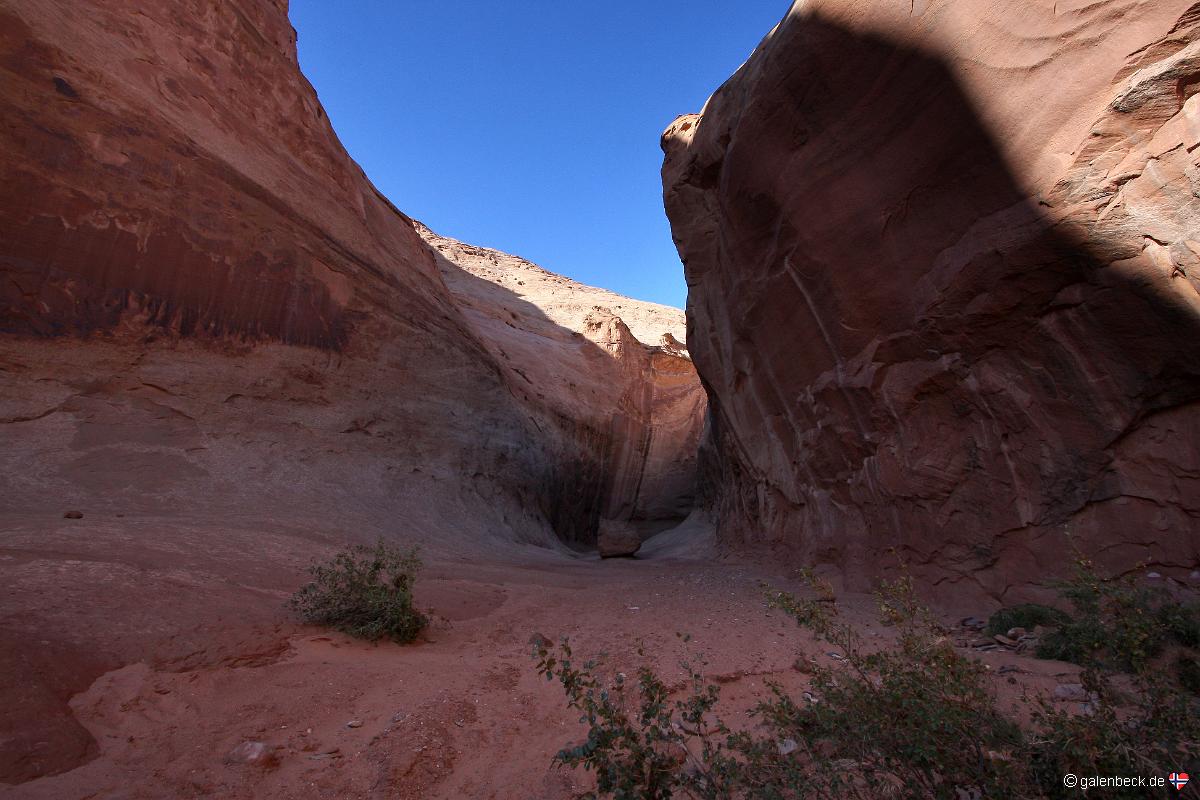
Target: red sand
{"type": "Point", "coordinates": [461, 715]}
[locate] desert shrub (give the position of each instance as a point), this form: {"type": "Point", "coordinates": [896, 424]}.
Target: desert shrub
{"type": "Point", "coordinates": [1187, 671]}
{"type": "Point", "coordinates": [365, 592]}
{"type": "Point", "coordinates": [915, 720]}
{"type": "Point", "coordinates": [1147, 727]}
{"type": "Point", "coordinates": [1025, 615]}
{"type": "Point", "coordinates": [636, 740]}
{"type": "Point", "coordinates": [1181, 622]}
{"type": "Point", "coordinates": [1118, 623]}
{"type": "Point", "coordinates": [912, 719]}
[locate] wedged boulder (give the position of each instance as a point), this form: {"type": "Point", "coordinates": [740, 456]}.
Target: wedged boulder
{"type": "Point", "coordinates": [617, 538]}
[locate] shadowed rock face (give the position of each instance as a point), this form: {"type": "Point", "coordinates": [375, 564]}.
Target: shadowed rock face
{"type": "Point", "coordinates": [221, 345]}
{"type": "Point", "coordinates": [603, 368]}
{"type": "Point", "coordinates": [943, 288]}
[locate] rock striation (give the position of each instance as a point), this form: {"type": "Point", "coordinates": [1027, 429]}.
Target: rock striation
{"type": "Point", "coordinates": [943, 265]}
{"type": "Point", "coordinates": [582, 357]}
{"type": "Point", "coordinates": [222, 351]}
{"type": "Point", "coordinates": [196, 280]}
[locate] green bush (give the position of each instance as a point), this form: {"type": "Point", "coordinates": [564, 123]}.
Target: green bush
{"type": "Point", "coordinates": [636, 749]}
{"type": "Point", "coordinates": [914, 719]}
{"type": "Point", "coordinates": [365, 592]}
{"type": "Point", "coordinates": [1027, 616]}
{"type": "Point", "coordinates": [1146, 728]}
{"type": "Point", "coordinates": [1187, 671]}
{"type": "Point", "coordinates": [1118, 624]}
{"type": "Point", "coordinates": [1181, 622]}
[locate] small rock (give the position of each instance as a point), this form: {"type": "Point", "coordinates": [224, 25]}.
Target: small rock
{"type": "Point", "coordinates": [1004, 640]}
{"type": "Point", "coordinates": [1007, 668]}
{"type": "Point", "coordinates": [973, 623]}
{"type": "Point", "coordinates": [787, 747]}
{"type": "Point", "coordinates": [617, 539]}
{"type": "Point", "coordinates": [1068, 692]}
{"type": "Point", "coordinates": [247, 753]}
{"type": "Point", "coordinates": [73, 515]}
{"type": "Point", "coordinates": [331, 753]}
{"type": "Point", "coordinates": [1016, 633]}
{"type": "Point", "coordinates": [354, 723]}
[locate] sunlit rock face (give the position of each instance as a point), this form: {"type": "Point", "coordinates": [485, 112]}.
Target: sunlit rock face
{"type": "Point", "coordinates": [188, 250]}
{"type": "Point", "coordinates": [224, 352]}
{"type": "Point", "coordinates": [603, 369]}
{"type": "Point", "coordinates": [207, 306]}
{"type": "Point", "coordinates": [943, 267]}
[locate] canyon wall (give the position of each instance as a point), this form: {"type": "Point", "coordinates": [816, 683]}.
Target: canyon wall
{"type": "Point", "coordinates": [223, 353]}
{"type": "Point", "coordinates": [603, 367]}
{"type": "Point", "coordinates": [943, 261]}
{"type": "Point", "coordinates": [189, 253]}
{"type": "Point", "coordinates": [207, 306]}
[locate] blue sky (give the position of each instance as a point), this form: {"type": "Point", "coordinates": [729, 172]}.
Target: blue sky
{"type": "Point", "coordinates": [530, 126]}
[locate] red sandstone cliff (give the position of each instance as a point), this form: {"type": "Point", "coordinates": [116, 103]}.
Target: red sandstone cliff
{"type": "Point", "coordinates": [603, 367]}
{"type": "Point", "coordinates": [943, 268]}
{"type": "Point", "coordinates": [221, 344]}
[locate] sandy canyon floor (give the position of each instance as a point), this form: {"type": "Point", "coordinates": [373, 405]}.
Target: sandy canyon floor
{"type": "Point", "coordinates": [462, 714]}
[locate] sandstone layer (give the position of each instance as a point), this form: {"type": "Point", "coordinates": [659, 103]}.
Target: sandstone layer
{"type": "Point", "coordinates": [943, 261]}
{"type": "Point", "coordinates": [222, 347]}
{"type": "Point", "coordinates": [605, 368]}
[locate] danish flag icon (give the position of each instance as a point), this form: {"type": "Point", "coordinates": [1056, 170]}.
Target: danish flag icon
{"type": "Point", "coordinates": [1178, 780]}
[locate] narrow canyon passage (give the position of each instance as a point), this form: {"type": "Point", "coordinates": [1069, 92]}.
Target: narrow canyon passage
{"type": "Point", "coordinates": [225, 356]}
{"type": "Point", "coordinates": [943, 324]}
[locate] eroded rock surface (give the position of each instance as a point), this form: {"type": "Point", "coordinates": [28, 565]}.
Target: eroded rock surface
{"type": "Point", "coordinates": [943, 287]}
{"type": "Point", "coordinates": [226, 353]}
{"type": "Point", "coordinates": [603, 368]}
